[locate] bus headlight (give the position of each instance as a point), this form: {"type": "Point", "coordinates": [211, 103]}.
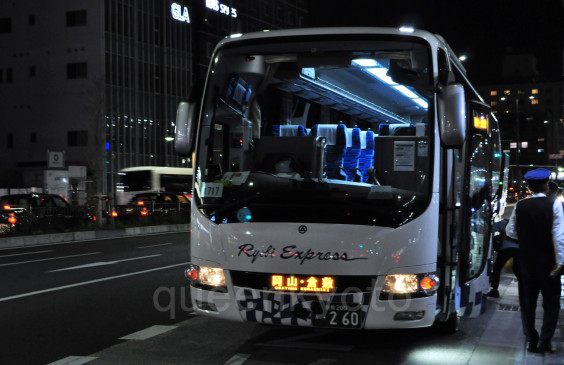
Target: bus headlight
{"type": "Point", "coordinates": [203, 275]}
{"type": "Point", "coordinates": [426, 284]}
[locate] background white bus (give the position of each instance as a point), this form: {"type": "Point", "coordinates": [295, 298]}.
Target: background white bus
{"type": "Point", "coordinates": [145, 179]}
{"type": "Point", "coordinates": [345, 177]}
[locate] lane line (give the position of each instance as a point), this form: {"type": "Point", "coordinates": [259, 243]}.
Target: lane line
{"type": "Point", "coordinates": [238, 359]}
{"type": "Point", "coordinates": [74, 360]}
{"type": "Point", "coordinates": [26, 253]}
{"type": "Point", "coordinates": [5, 299]}
{"type": "Point", "coordinates": [49, 259]}
{"type": "Point", "coordinates": [103, 263]}
{"type": "Point", "coordinates": [162, 244]}
{"type": "Point", "coordinates": [148, 333]}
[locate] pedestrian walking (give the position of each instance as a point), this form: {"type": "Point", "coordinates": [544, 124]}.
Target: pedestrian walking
{"type": "Point", "coordinates": [538, 225]}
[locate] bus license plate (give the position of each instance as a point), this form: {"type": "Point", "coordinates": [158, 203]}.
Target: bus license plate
{"type": "Point", "coordinates": [339, 315]}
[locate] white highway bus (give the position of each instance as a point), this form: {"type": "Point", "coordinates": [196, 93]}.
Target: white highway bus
{"type": "Point", "coordinates": [147, 179]}
{"type": "Point", "coordinates": [345, 177]}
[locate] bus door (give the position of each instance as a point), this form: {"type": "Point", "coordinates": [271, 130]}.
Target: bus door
{"type": "Point", "coordinates": [476, 209]}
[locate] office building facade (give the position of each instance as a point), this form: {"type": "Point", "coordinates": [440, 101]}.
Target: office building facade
{"type": "Point", "coordinates": [97, 83]}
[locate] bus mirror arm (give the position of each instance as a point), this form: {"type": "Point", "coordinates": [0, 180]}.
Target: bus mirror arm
{"type": "Point", "coordinates": [452, 115]}
{"type": "Point", "coordinates": [186, 115]}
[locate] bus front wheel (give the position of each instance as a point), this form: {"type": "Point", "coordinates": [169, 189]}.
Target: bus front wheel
{"type": "Point", "coordinates": [449, 326]}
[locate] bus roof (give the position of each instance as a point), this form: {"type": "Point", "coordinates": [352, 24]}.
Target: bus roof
{"type": "Point", "coordinates": [161, 170]}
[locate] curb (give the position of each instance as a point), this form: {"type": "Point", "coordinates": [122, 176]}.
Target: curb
{"type": "Point", "coordinates": [44, 239]}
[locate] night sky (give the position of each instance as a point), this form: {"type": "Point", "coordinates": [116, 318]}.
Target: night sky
{"type": "Point", "coordinates": [482, 30]}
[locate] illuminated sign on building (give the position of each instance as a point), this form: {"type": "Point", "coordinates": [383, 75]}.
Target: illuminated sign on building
{"type": "Point", "coordinates": [180, 13]}
{"type": "Point", "coordinates": [215, 5]}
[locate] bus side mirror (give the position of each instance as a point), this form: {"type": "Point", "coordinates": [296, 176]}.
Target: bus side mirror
{"type": "Point", "coordinates": [186, 115]}
{"type": "Point", "coordinates": [452, 115]}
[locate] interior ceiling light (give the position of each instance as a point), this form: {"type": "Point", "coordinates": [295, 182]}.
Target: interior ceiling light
{"type": "Point", "coordinates": [380, 72]}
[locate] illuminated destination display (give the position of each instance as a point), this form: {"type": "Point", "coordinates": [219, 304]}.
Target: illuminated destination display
{"type": "Point", "coordinates": [215, 5]}
{"type": "Point", "coordinates": [180, 12]}
{"type": "Point", "coordinates": [311, 284]}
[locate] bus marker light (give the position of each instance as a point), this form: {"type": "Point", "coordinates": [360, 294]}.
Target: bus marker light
{"type": "Point", "coordinates": [427, 283]}
{"type": "Point", "coordinates": [191, 273]}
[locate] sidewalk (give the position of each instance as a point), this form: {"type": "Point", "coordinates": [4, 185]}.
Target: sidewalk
{"type": "Point", "coordinates": [503, 340]}
{"type": "Point", "coordinates": [43, 239]}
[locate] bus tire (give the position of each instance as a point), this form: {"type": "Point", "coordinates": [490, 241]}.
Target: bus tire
{"type": "Point", "coordinates": [449, 326]}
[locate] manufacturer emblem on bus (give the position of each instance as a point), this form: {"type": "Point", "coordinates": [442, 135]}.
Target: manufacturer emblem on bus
{"type": "Point", "coordinates": [302, 229]}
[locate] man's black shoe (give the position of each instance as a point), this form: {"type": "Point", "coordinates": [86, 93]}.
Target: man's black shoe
{"type": "Point", "coordinates": [546, 346]}
{"type": "Point", "coordinates": [493, 293]}
{"type": "Point", "coordinates": [531, 346]}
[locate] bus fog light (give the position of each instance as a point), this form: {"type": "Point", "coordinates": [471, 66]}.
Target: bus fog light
{"type": "Point", "coordinates": [409, 316]}
{"type": "Point", "coordinates": [206, 306]}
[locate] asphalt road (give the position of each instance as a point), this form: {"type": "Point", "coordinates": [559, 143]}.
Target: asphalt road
{"type": "Point", "coordinates": [74, 299]}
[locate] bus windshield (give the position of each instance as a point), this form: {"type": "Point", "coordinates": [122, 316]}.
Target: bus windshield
{"type": "Point", "coordinates": [317, 131]}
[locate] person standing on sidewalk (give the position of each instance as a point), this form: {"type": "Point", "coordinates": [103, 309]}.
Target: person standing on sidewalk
{"type": "Point", "coordinates": [538, 225]}
{"type": "Point", "coordinates": [509, 249]}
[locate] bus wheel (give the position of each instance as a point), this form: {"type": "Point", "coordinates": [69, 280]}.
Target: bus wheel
{"type": "Point", "coordinates": [449, 326]}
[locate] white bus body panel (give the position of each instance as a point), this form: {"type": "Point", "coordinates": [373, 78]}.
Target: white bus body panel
{"type": "Point", "coordinates": [370, 251]}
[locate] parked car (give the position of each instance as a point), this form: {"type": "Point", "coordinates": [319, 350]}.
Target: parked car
{"type": "Point", "coordinates": [154, 204]}
{"type": "Point", "coordinates": [44, 211]}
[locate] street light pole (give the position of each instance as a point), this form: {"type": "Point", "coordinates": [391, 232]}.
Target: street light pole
{"type": "Point", "coordinates": [517, 137]}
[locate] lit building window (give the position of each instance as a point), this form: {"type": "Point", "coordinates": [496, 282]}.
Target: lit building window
{"type": "Point", "coordinates": [513, 145]}
{"type": "Point", "coordinates": [540, 150]}
{"type": "Point", "coordinates": [540, 140]}
{"type": "Point", "coordinates": [534, 101]}
{"type": "Point", "coordinates": [493, 93]}
{"type": "Point", "coordinates": [494, 103]}
{"type": "Point", "coordinates": [506, 92]}
{"type": "Point", "coordinates": [535, 91]}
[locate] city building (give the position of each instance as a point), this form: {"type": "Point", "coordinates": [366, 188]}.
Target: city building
{"type": "Point", "coordinates": [90, 87]}
{"type": "Point", "coordinates": [530, 111]}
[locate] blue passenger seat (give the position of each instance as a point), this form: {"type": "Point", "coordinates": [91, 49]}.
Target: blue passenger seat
{"type": "Point", "coordinates": [289, 130]}
{"type": "Point", "coordinates": [366, 158]}
{"type": "Point", "coordinates": [335, 135]}
{"type": "Point", "coordinates": [352, 153]}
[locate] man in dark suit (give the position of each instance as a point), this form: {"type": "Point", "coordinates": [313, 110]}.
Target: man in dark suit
{"type": "Point", "coordinates": [538, 225]}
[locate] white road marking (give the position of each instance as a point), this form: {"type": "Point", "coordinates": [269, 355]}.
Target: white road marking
{"type": "Point", "coordinates": [49, 259]}
{"type": "Point", "coordinates": [162, 244]}
{"type": "Point", "coordinates": [89, 282]}
{"type": "Point", "coordinates": [238, 359]}
{"type": "Point", "coordinates": [26, 253]}
{"type": "Point", "coordinates": [148, 333]}
{"type": "Point", "coordinates": [74, 360]}
{"type": "Point", "coordinates": [103, 263]}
